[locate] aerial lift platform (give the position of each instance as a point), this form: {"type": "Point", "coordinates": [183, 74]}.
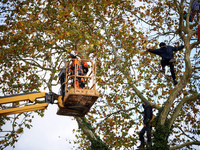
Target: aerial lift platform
{"type": "Point", "coordinates": [73, 101]}
{"type": "Point", "coordinates": [77, 101]}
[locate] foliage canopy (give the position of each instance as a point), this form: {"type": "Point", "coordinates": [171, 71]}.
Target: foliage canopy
{"type": "Point", "coordinates": [36, 35]}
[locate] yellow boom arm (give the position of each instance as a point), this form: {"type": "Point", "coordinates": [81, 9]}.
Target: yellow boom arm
{"type": "Point", "coordinates": [24, 97]}
{"type": "Point", "coordinates": [17, 110]}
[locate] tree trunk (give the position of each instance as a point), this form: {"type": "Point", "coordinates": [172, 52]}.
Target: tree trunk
{"type": "Point", "coordinates": [96, 142]}
{"type": "Point", "coordinates": [161, 134]}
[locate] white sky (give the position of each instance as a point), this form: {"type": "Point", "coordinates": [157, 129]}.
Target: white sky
{"type": "Point", "coordinates": [51, 132]}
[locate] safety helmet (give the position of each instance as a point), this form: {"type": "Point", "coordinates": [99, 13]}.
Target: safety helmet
{"type": "Point", "coordinates": [72, 55]}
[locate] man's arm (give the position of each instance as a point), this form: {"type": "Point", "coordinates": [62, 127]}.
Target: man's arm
{"type": "Point", "coordinates": [178, 48]}
{"type": "Point", "coordinates": [155, 51]}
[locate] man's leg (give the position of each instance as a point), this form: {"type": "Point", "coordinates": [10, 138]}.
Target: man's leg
{"type": "Point", "coordinates": [63, 91]}
{"type": "Point", "coordinates": [141, 137]}
{"type": "Point", "coordinates": [149, 135]}
{"type": "Point", "coordinates": [163, 64]}
{"type": "Point", "coordinates": [173, 73]}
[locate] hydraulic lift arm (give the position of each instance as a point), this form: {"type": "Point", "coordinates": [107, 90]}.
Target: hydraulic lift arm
{"type": "Point", "coordinates": [10, 111]}
{"type": "Point", "coordinates": [49, 98]}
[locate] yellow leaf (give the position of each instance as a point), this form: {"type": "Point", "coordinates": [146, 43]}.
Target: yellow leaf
{"type": "Point", "coordinates": [37, 21]}
{"type": "Point", "coordinates": [18, 69]}
{"type": "Point", "coordinates": [67, 33]}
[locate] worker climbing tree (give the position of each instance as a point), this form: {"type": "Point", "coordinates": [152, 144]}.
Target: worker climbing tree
{"type": "Point", "coordinates": [147, 127]}
{"type": "Point", "coordinates": [167, 54]}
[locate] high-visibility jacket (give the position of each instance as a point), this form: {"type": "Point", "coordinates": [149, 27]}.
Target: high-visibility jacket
{"type": "Point", "coordinates": [76, 63]}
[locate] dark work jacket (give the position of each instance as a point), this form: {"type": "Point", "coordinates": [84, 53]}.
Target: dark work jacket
{"type": "Point", "coordinates": [147, 113]}
{"type": "Point", "coordinates": [166, 52]}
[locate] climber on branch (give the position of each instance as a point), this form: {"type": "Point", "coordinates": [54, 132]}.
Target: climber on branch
{"type": "Point", "coordinates": [166, 52]}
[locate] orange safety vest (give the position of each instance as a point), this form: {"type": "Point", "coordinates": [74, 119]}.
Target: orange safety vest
{"type": "Point", "coordinates": [78, 66]}
{"type": "Point", "coordinates": [84, 64]}
{"type": "Point", "coordinates": [76, 63]}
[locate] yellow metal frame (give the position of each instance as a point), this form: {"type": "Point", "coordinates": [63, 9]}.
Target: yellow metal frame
{"type": "Point", "coordinates": [18, 98]}
{"type": "Point", "coordinates": [22, 97]}
{"type": "Point", "coordinates": [23, 109]}
{"type": "Point", "coordinates": [93, 77]}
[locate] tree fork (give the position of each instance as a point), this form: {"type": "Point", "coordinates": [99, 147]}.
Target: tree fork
{"type": "Point", "coordinates": [96, 142]}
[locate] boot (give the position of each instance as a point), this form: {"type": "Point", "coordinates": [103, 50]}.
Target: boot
{"type": "Point", "coordinates": [149, 144]}
{"type": "Point", "coordinates": [141, 146]}
{"type": "Point", "coordinates": [163, 70]}
{"type": "Point", "coordinates": [175, 82]}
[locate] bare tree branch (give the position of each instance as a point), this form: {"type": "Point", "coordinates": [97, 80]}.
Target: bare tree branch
{"type": "Point", "coordinates": [180, 105]}
{"type": "Point", "coordinates": [192, 138]}
{"type": "Point", "coordinates": [185, 144]}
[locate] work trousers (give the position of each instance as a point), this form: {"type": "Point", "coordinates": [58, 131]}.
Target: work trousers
{"type": "Point", "coordinates": [165, 62]}
{"type": "Point", "coordinates": [142, 132]}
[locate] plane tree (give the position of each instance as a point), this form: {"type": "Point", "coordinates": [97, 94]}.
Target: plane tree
{"type": "Point", "coordinates": [36, 35]}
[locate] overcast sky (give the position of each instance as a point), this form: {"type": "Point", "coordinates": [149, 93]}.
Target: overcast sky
{"type": "Point", "coordinates": [51, 132]}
